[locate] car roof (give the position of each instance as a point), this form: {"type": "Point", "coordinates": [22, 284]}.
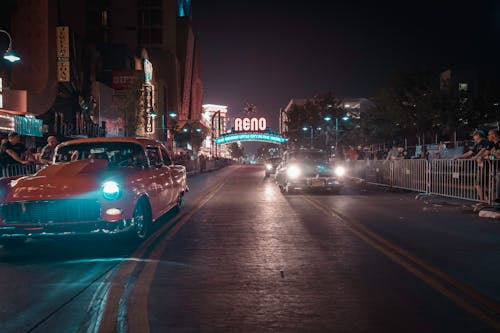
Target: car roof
{"type": "Point", "coordinates": [144, 142]}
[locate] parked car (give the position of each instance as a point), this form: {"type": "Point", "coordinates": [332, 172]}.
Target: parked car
{"type": "Point", "coordinates": [94, 186]}
{"type": "Point", "coordinates": [271, 164]}
{"type": "Point", "coordinates": [309, 169]}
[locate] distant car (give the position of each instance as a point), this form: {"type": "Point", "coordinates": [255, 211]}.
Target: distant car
{"type": "Point", "coordinates": [308, 169]}
{"type": "Point", "coordinates": [95, 186]}
{"type": "Point", "coordinates": [271, 164]}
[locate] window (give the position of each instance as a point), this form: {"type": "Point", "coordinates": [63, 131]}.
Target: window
{"type": "Point", "coordinates": [166, 157]}
{"type": "Point", "coordinates": [104, 18]}
{"type": "Point", "coordinates": [154, 156]}
{"type": "Point", "coordinates": [463, 87]}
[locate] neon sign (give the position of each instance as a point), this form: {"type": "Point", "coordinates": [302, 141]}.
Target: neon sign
{"type": "Point", "coordinates": [250, 124]}
{"type": "Point", "coordinates": [265, 137]}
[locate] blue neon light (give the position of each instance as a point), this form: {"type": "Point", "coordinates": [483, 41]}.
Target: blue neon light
{"type": "Point", "coordinates": [266, 137]}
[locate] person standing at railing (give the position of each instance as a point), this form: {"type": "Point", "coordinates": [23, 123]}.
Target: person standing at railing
{"type": "Point", "coordinates": [47, 153]}
{"type": "Point", "coordinates": [12, 150]}
{"type": "Point", "coordinates": [493, 154]}
{"type": "Point", "coordinates": [396, 153]}
{"type": "Point", "coordinates": [476, 153]}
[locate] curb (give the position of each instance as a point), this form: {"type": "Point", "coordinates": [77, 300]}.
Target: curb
{"type": "Point", "coordinates": [489, 214]}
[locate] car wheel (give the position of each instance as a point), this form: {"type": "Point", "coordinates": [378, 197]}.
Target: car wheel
{"type": "Point", "coordinates": [179, 201]}
{"type": "Point", "coordinates": [142, 220]}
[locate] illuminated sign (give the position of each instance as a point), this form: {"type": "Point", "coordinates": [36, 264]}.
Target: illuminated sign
{"type": "Point", "coordinates": [148, 71]}
{"type": "Point", "coordinates": [150, 124]}
{"type": "Point", "coordinates": [250, 124]}
{"type": "Point", "coordinates": [265, 137]}
{"type": "Point", "coordinates": [62, 51]}
{"type": "Point", "coordinates": [122, 80]}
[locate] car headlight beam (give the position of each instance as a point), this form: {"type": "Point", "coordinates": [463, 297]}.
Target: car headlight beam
{"type": "Point", "coordinates": [339, 171]}
{"type": "Point", "coordinates": [111, 190]}
{"type": "Point", "coordinates": [269, 166]}
{"type": "Point", "coordinates": [293, 172]}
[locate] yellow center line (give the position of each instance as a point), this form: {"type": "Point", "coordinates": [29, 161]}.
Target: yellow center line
{"type": "Point", "coordinates": [127, 269]}
{"type": "Point", "coordinates": [412, 263]}
{"type": "Point", "coordinates": [138, 320]}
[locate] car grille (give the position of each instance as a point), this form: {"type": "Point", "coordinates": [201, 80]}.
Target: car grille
{"type": "Point", "coordinates": [51, 211]}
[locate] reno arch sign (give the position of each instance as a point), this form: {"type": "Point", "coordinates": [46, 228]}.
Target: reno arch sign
{"type": "Point", "coordinates": [250, 124]}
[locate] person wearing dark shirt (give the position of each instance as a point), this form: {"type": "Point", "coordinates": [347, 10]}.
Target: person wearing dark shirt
{"type": "Point", "coordinates": [477, 153]}
{"type": "Point", "coordinates": [11, 151]}
{"type": "Point", "coordinates": [492, 155]}
{"type": "Point", "coordinates": [480, 146]}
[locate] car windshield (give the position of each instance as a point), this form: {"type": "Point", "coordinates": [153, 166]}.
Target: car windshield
{"type": "Point", "coordinates": [305, 156]}
{"type": "Point", "coordinates": [120, 154]}
{"type": "Point", "coordinates": [273, 160]}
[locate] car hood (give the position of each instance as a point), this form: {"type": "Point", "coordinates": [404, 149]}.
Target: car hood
{"type": "Point", "coordinates": [62, 180]}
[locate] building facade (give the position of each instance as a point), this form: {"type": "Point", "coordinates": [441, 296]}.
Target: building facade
{"type": "Point", "coordinates": [101, 67]}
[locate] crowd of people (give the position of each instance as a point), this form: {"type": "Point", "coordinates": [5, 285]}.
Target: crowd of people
{"type": "Point", "coordinates": [14, 152]}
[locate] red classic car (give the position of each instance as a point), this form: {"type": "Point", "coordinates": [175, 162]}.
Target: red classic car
{"type": "Point", "coordinates": [94, 186]}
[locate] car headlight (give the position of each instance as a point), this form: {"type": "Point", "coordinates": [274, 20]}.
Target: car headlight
{"type": "Point", "coordinates": [339, 171]}
{"type": "Point", "coordinates": [269, 166]}
{"type": "Point", "coordinates": [293, 172]}
{"type": "Point", "coordinates": [111, 190]}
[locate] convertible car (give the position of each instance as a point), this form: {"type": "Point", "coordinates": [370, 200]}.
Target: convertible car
{"type": "Point", "coordinates": [94, 186]}
{"type": "Point", "coordinates": [308, 169]}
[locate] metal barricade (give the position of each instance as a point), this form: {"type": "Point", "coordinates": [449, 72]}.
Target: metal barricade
{"type": "Point", "coordinates": [18, 169]}
{"type": "Point", "coordinates": [463, 179]}
{"type": "Point", "coordinates": [411, 175]}
{"type": "Point", "coordinates": [376, 172]}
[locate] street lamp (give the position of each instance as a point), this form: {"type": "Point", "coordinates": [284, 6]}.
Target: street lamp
{"type": "Point", "coordinates": [329, 118]}
{"type": "Point", "coordinates": [214, 145]}
{"type": "Point", "coordinates": [9, 53]}
{"type": "Point", "coordinates": [305, 128]}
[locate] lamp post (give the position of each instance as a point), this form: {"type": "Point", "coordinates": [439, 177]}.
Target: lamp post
{"type": "Point", "coordinates": [214, 145]}
{"type": "Point", "coordinates": [329, 118]}
{"type": "Point", "coordinates": [305, 128]}
{"type": "Point", "coordinates": [171, 115]}
{"type": "Point", "coordinates": [9, 53]}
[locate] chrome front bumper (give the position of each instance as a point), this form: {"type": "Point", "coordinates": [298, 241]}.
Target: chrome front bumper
{"type": "Point", "coordinates": [41, 230]}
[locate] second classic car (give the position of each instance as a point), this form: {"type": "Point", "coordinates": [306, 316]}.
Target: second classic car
{"type": "Point", "coordinates": [94, 186]}
{"type": "Point", "coordinates": [308, 169]}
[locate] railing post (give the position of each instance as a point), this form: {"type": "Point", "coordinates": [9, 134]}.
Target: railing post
{"type": "Point", "coordinates": [428, 175]}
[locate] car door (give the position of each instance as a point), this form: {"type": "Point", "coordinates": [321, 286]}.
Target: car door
{"type": "Point", "coordinates": [171, 186]}
{"type": "Point", "coordinates": [156, 181]}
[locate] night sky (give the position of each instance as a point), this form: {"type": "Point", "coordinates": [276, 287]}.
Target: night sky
{"type": "Point", "coordinates": [267, 52]}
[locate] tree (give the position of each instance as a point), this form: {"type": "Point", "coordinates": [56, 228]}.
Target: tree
{"type": "Point", "coordinates": [312, 115]}
{"type": "Point", "coordinates": [236, 150]}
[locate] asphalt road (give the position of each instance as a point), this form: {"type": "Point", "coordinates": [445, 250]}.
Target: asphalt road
{"type": "Point", "coordinates": [241, 256]}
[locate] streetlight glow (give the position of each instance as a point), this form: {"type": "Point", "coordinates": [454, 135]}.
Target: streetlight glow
{"type": "Point", "coordinates": [9, 53]}
{"type": "Point", "coordinates": [327, 118]}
